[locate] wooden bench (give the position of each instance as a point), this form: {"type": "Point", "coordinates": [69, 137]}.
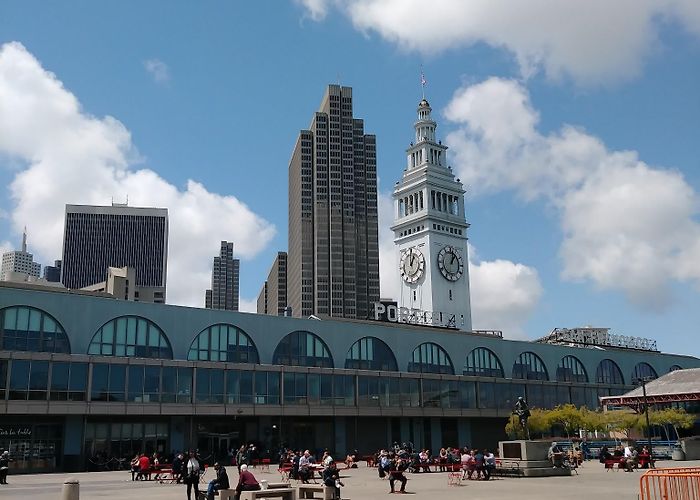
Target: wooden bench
{"type": "Point", "coordinates": [284, 493]}
{"type": "Point", "coordinates": [610, 463]}
{"type": "Point", "coordinates": [308, 490]}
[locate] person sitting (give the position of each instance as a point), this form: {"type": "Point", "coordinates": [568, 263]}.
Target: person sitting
{"type": "Point", "coordinates": [442, 459]}
{"type": "Point", "coordinates": [489, 464]}
{"type": "Point", "coordinates": [218, 483]}
{"type": "Point", "coordinates": [604, 455]}
{"type": "Point", "coordinates": [327, 458]}
{"type": "Point", "coordinates": [331, 477]}
{"type": "Point", "coordinates": [555, 455]}
{"type": "Point", "coordinates": [246, 482]}
{"type": "Point", "coordinates": [144, 468]}
{"type": "Point", "coordinates": [396, 473]}
{"type": "Point", "coordinates": [384, 463]}
{"type": "Point", "coordinates": [177, 467]}
{"type": "Point", "coordinates": [467, 461]}
{"type": "Point", "coordinates": [135, 468]}
{"type": "Point", "coordinates": [479, 465]}
{"type": "Point", "coordinates": [305, 472]}
{"type": "Point", "coordinates": [631, 462]}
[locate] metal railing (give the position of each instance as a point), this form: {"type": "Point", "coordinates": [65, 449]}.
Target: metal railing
{"type": "Point", "coordinates": [679, 483]}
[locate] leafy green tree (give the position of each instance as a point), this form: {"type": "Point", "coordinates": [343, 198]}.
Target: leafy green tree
{"type": "Point", "coordinates": [568, 417]}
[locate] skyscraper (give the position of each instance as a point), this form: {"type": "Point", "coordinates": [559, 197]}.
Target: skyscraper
{"type": "Point", "coordinates": [225, 280]}
{"type": "Point", "coordinates": [273, 295]}
{"type": "Point", "coordinates": [98, 237]}
{"type": "Point", "coordinates": [53, 273]}
{"type": "Point", "coordinates": [19, 261]}
{"type": "Point", "coordinates": [333, 265]}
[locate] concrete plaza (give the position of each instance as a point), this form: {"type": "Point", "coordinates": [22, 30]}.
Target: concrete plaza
{"type": "Point", "coordinates": [362, 483]}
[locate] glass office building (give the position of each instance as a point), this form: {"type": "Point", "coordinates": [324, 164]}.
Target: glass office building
{"type": "Point", "coordinates": [86, 382]}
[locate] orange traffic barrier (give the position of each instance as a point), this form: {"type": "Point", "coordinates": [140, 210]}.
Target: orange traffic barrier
{"type": "Point", "coordinates": [681, 483]}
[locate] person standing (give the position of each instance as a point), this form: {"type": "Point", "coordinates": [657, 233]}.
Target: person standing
{"type": "Point", "coordinates": [4, 466]}
{"type": "Point", "coordinates": [177, 468]}
{"type": "Point", "coordinates": [192, 476]}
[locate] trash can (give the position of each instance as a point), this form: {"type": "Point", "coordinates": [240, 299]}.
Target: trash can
{"type": "Point", "coordinates": [677, 454]}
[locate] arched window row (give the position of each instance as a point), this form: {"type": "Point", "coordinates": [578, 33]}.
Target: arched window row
{"type": "Point", "coordinates": [609, 373]}
{"type": "Point", "coordinates": [370, 353]}
{"type": "Point", "coordinates": [25, 328]}
{"type": "Point", "coordinates": [529, 366]}
{"type": "Point", "coordinates": [302, 349]}
{"type": "Point", "coordinates": [131, 336]}
{"type": "Point", "coordinates": [430, 358]}
{"type": "Point", "coordinates": [223, 342]}
{"type": "Point", "coordinates": [570, 369]}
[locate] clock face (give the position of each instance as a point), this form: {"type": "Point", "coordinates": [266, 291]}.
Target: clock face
{"type": "Point", "coordinates": [450, 263]}
{"type": "Point", "coordinates": [412, 265]}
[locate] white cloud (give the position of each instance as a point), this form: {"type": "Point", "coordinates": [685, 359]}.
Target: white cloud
{"type": "Point", "coordinates": [248, 305]}
{"type": "Point", "coordinates": [592, 42]}
{"type": "Point", "coordinates": [72, 157]}
{"type": "Point", "coordinates": [503, 294]}
{"type": "Point", "coordinates": [158, 70]}
{"type": "Point", "coordinates": [626, 225]}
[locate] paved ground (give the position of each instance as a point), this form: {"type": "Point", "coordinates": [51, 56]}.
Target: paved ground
{"type": "Point", "coordinates": [362, 483]}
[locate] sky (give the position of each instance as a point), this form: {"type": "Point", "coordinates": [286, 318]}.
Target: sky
{"type": "Point", "coordinates": [574, 126]}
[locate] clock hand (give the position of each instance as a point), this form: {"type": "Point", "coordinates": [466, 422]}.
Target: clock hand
{"type": "Point", "coordinates": [453, 259]}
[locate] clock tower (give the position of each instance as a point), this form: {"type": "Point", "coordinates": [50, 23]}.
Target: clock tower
{"type": "Point", "coordinates": [430, 233]}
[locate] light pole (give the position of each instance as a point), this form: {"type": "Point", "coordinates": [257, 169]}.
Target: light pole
{"type": "Point", "coordinates": [643, 381]}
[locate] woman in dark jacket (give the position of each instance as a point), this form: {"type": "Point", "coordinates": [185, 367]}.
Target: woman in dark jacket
{"type": "Point", "coordinates": [331, 477]}
{"type": "Point", "coordinates": [4, 466]}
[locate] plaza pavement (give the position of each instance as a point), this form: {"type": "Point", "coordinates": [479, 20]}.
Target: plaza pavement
{"type": "Point", "coordinates": [361, 483]}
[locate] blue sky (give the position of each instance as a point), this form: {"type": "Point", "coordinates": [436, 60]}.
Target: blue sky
{"type": "Point", "coordinates": [537, 105]}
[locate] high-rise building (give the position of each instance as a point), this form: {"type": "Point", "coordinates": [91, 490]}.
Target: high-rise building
{"type": "Point", "coordinates": [333, 264]}
{"type": "Point", "coordinates": [430, 233]}
{"type": "Point", "coordinates": [52, 274]}
{"type": "Point", "coordinates": [225, 280]}
{"type": "Point", "coordinates": [99, 237]}
{"type": "Point", "coordinates": [121, 284]}
{"type": "Point", "coordinates": [19, 261]}
{"type": "Point", "coordinates": [273, 296]}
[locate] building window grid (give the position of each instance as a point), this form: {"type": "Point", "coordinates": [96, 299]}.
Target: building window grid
{"type": "Point", "coordinates": [482, 362]}
{"type": "Point", "coordinates": [223, 342]}
{"type": "Point", "coordinates": [370, 353]}
{"type": "Point", "coordinates": [570, 369]}
{"type": "Point", "coordinates": [302, 348]}
{"type": "Point", "coordinates": [24, 328]}
{"type": "Point", "coordinates": [609, 373]}
{"type": "Point", "coordinates": [430, 358]}
{"type": "Point", "coordinates": [529, 366]}
{"type": "Point", "coordinates": [131, 336]}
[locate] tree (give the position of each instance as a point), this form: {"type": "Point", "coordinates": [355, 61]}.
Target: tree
{"type": "Point", "coordinates": [623, 421]}
{"type": "Point", "coordinates": [568, 417]}
{"type": "Point", "coordinates": [538, 423]}
{"type": "Point", "coordinates": [675, 417]}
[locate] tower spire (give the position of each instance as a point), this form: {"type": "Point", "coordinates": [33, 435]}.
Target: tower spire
{"type": "Point", "coordinates": [423, 82]}
{"type": "Point", "coordinates": [24, 240]}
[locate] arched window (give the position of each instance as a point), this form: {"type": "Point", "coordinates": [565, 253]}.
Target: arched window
{"type": "Point", "coordinates": [570, 369]}
{"type": "Point", "coordinates": [529, 366]}
{"type": "Point", "coordinates": [223, 342]}
{"type": "Point", "coordinates": [131, 336]}
{"type": "Point", "coordinates": [643, 371]}
{"type": "Point", "coordinates": [674, 368]}
{"type": "Point", "coordinates": [371, 353]}
{"type": "Point", "coordinates": [609, 373]}
{"type": "Point", "coordinates": [302, 349]}
{"type": "Point", "coordinates": [24, 328]}
{"type": "Point", "coordinates": [430, 358]}
{"type": "Point", "coordinates": [482, 362]}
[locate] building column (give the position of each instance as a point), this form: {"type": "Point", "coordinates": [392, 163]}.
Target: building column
{"type": "Point", "coordinates": [73, 443]}
{"type": "Point", "coordinates": [464, 432]}
{"type": "Point", "coordinates": [435, 435]}
{"type": "Point", "coordinates": [178, 427]}
{"type": "Point", "coordinates": [341, 446]}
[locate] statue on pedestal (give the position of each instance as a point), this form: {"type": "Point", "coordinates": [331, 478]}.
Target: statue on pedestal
{"type": "Point", "coordinates": [523, 412]}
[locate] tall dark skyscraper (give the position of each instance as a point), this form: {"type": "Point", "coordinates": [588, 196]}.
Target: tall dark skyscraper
{"type": "Point", "coordinates": [97, 237]}
{"type": "Point", "coordinates": [225, 280]}
{"type": "Point", "coordinates": [333, 264]}
{"type": "Point", "coordinates": [53, 273]}
{"type": "Point", "coordinates": [272, 298]}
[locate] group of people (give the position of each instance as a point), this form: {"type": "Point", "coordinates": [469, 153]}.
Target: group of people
{"type": "Point", "coordinates": [303, 466]}
{"type": "Point", "coordinates": [628, 457]}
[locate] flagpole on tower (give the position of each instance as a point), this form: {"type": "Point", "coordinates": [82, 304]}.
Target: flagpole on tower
{"type": "Point", "coordinates": [423, 82]}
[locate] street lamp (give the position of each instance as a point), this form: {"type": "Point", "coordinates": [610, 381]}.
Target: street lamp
{"type": "Point", "coordinates": [643, 381]}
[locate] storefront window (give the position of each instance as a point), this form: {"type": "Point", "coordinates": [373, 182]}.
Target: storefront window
{"type": "Point", "coordinates": [68, 381]}
{"type": "Point", "coordinates": [267, 388]}
{"type": "Point", "coordinates": [32, 447]}
{"type": "Point", "coordinates": [29, 379]}
{"type": "Point", "coordinates": [108, 382]}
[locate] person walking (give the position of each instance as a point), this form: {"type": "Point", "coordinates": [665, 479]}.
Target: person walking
{"type": "Point", "coordinates": [192, 476]}
{"type": "Point", "coordinates": [4, 466]}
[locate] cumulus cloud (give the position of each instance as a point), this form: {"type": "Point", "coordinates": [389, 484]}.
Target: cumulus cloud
{"type": "Point", "coordinates": [626, 225]}
{"type": "Point", "coordinates": [504, 294]}
{"type": "Point", "coordinates": [248, 305]}
{"type": "Point", "coordinates": [158, 70]}
{"type": "Point", "coordinates": [70, 156]}
{"type": "Point", "coordinates": [591, 42]}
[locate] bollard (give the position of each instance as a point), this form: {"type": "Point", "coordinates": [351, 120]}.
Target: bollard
{"type": "Point", "coordinates": [71, 489]}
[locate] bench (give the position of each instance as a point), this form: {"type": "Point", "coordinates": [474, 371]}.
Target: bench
{"type": "Point", "coordinates": [610, 463]}
{"type": "Point", "coordinates": [284, 493]}
{"type": "Point", "coordinates": [507, 468]}
{"type": "Point", "coordinates": [308, 490]}
{"type": "Point", "coordinates": [222, 494]}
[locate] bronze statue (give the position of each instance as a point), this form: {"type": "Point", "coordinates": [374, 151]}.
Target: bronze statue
{"type": "Point", "coordinates": [523, 412]}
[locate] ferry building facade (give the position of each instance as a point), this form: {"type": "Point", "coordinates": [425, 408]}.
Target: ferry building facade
{"type": "Point", "coordinates": [87, 380]}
